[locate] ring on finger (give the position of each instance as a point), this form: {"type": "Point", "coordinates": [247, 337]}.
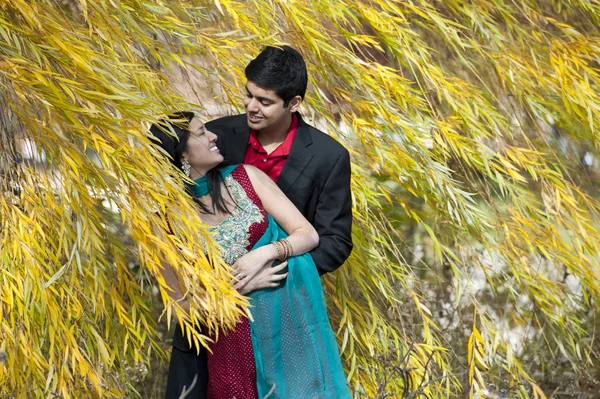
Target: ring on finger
{"type": "Point", "coordinates": [239, 276]}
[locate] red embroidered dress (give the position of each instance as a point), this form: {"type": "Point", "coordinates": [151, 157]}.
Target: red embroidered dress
{"type": "Point", "coordinates": [231, 365]}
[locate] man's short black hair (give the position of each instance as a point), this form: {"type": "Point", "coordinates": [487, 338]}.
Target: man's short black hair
{"type": "Point", "coordinates": [282, 70]}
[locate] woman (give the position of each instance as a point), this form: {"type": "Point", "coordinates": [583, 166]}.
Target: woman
{"type": "Point", "coordinates": [289, 350]}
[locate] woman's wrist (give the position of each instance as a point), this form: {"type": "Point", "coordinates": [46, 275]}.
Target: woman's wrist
{"type": "Point", "coordinates": [284, 249]}
{"type": "Point", "coordinates": [270, 251]}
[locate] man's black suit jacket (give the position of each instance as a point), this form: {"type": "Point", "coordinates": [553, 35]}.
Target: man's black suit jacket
{"type": "Point", "coordinates": [315, 177]}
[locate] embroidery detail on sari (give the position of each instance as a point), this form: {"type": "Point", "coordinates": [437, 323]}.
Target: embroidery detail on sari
{"type": "Point", "coordinates": [233, 233]}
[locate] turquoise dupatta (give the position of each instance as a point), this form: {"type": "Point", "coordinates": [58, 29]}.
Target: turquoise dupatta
{"type": "Point", "coordinates": [294, 347]}
{"type": "Point", "coordinates": [202, 186]}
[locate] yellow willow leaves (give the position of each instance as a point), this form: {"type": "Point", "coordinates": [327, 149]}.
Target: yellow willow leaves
{"type": "Point", "coordinates": [476, 362]}
{"type": "Point", "coordinates": [74, 317]}
{"type": "Point", "coordinates": [444, 107]}
{"type": "Point", "coordinates": [467, 114]}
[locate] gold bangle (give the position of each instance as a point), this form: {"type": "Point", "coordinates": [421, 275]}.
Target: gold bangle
{"type": "Point", "coordinates": [290, 247]}
{"type": "Point", "coordinates": [287, 251]}
{"type": "Point", "coordinates": [282, 253]}
{"type": "Point", "coordinates": [275, 243]}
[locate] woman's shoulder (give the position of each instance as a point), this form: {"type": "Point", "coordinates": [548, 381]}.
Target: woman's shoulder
{"type": "Point", "coordinates": [252, 177]}
{"type": "Point", "coordinates": [246, 174]}
{"type": "Point", "coordinates": [253, 172]}
{"type": "Point", "coordinates": [235, 171]}
{"type": "Point", "coordinates": [245, 178]}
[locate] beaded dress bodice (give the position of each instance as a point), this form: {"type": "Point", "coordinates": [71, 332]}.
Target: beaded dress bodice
{"type": "Point", "coordinates": [247, 222]}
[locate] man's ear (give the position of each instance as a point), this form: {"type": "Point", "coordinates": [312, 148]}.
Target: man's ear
{"type": "Point", "coordinates": [295, 103]}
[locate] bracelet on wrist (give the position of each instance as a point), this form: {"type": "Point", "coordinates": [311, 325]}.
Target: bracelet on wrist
{"type": "Point", "coordinates": [278, 248]}
{"type": "Point", "coordinates": [289, 245]}
{"type": "Point", "coordinates": [284, 249]}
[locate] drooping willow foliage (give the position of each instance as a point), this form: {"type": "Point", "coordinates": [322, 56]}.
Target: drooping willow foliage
{"type": "Point", "coordinates": [466, 119]}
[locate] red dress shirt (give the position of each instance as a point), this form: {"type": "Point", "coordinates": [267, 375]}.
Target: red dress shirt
{"type": "Point", "coordinates": [272, 163]}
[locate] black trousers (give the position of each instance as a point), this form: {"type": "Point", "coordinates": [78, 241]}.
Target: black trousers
{"type": "Point", "coordinates": [184, 366]}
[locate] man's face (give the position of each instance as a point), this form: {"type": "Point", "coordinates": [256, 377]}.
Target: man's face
{"type": "Point", "coordinates": [265, 110]}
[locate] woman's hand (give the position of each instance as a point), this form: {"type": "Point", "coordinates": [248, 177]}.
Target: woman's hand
{"type": "Point", "coordinates": [266, 278]}
{"type": "Point", "coordinates": [249, 265]}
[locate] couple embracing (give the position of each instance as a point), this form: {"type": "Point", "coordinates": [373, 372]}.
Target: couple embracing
{"type": "Point", "coordinates": [282, 213]}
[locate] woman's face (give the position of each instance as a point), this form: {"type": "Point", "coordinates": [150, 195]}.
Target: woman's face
{"type": "Point", "coordinates": [201, 152]}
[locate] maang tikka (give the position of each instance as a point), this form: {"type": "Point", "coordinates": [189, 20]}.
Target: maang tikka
{"type": "Point", "coordinates": [186, 167]}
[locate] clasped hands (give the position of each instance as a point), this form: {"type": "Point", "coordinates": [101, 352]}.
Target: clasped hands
{"type": "Point", "coordinates": [255, 270]}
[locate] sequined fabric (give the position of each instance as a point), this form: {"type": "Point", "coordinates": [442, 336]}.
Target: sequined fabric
{"type": "Point", "coordinates": [231, 364]}
{"type": "Point", "coordinates": [234, 233]}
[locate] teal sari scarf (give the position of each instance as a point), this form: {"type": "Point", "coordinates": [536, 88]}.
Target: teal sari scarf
{"type": "Point", "coordinates": [295, 349]}
{"type": "Point", "coordinates": [202, 186]}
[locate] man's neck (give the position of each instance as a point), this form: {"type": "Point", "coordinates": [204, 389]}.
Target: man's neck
{"type": "Point", "coordinates": [274, 137]}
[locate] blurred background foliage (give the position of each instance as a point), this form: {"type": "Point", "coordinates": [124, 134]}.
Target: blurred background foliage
{"type": "Point", "coordinates": [473, 129]}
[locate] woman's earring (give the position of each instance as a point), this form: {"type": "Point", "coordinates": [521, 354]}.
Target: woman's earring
{"type": "Point", "coordinates": [186, 167]}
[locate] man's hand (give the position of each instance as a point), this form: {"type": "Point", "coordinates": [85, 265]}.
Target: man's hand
{"type": "Point", "coordinates": [266, 278]}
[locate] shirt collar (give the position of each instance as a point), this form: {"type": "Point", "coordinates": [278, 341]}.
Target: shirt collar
{"type": "Point", "coordinates": [284, 148]}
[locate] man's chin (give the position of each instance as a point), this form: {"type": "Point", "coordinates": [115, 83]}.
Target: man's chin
{"type": "Point", "coordinates": [253, 125]}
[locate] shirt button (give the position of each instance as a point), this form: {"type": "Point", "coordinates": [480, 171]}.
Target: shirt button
{"type": "Point", "coordinates": [264, 159]}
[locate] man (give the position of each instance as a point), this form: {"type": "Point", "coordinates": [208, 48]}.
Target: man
{"type": "Point", "coordinates": [310, 167]}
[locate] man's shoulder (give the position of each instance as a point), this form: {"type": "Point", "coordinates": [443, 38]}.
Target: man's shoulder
{"type": "Point", "coordinates": [326, 142]}
{"type": "Point", "coordinates": [231, 121]}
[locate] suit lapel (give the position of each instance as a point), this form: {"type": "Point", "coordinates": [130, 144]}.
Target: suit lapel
{"type": "Point", "coordinates": [236, 148]}
{"type": "Point", "coordinates": [299, 158]}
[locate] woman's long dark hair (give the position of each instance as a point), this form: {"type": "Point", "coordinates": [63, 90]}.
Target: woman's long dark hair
{"type": "Point", "coordinates": [175, 146]}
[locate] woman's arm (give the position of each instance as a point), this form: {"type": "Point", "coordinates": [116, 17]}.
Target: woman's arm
{"type": "Point", "coordinates": [176, 294]}
{"type": "Point", "coordinates": [302, 236]}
